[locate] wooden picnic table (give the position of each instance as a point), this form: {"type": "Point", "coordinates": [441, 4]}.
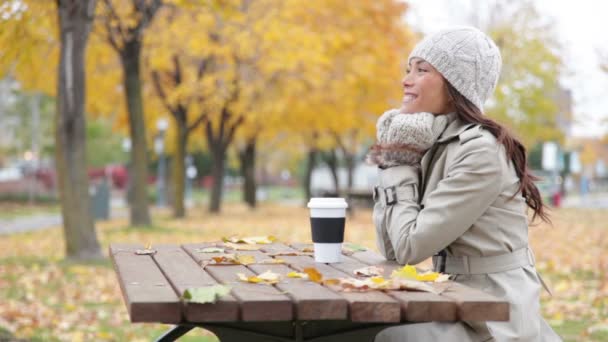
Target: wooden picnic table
{"type": "Point", "coordinates": [291, 310]}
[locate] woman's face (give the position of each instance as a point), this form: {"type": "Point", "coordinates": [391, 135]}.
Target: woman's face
{"type": "Point", "coordinates": [424, 90]}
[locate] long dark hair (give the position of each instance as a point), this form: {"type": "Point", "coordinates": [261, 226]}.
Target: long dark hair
{"type": "Point", "coordinates": [516, 151]}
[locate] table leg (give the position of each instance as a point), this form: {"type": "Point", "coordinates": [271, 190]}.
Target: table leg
{"type": "Point", "coordinates": [175, 333]}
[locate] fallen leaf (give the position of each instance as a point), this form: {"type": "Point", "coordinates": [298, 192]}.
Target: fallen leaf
{"type": "Point", "coordinates": [206, 294]}
{"type": "Point", "coordinates": [308, 250]}
{"type": "Point", "coordinates": [252, 240]}
{"type": "Point", "coordinates": [241, 247]}
{"type": "Point", "coordinates": [405, 272]}
{"type": "Point", "coordinates": [272, 261]}
{"type": "Point", "coordinates": [145, 252]}
{"type": "Point", "coordinates": [245, 259]}
{"type": "Point", "coordinates": [295, 274]}
{"type": "Point", "coordinates": [267, 277]}
{"type": "Point", "coordinates": [313, 274]}
{"type": "Point", "coordinates": [351, 248]}
{"type": "Point", "coordinates": [369, 271]}
{"type": "Point", "coordinates": [270, 277]}
{"type": "Point", "coordinates": [248, 279]}
{"type": "Point", "coordinates": [210, 250]}
{"type": "Point", "coordinates": [289, 253]}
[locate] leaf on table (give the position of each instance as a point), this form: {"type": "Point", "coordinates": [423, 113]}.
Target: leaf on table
{"type": "Point", "coordinates": [272, 261]}
{"type": "Point", "coordinates": [257, 240]}
{"type": "Point", "coordinates": [369, 271]}
{"type": "Point", "coordinates": [210, 250]}
{"type": "Point", "coordinates": [270, 277]}
{"type": "Point", "coordinates": [313, 274]}
{"type": "Point", "coordinates": [145, 251]}
{"type": "Point", "coordinates": [295, 274]}
{"type": "Point", "coordinates": [406, 284]}
{"type": "Point", "coordinates": [251, 240]}
{"type": "Point", "coordinates": [289, 253]}
{"type": "Point", "coordinates": [248, 279]}
{"type": "Point", "coordinates": [405, 272]}
{"type": "Point", "coordinates": [206, 294]}
{"type": "Point", "coordinates": [411, 273]}
{"type": "Point", "coordinates": [267, 277]}
{"type": "Point", "coordinates": [308, 250]}
{"type": "Point", "coordinates": [351, 248]}
{"type": "Point", "coordinates": [245, 259]}
{"type": "Point", "coordinates": [241, 247]}
{"type": "Point", "coordinates": [442, 278]}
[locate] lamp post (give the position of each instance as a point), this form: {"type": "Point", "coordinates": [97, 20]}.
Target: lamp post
{"type": "Point", "coordinates": [159, 147]}
{"type": "Point", "coordinates": [191, 173]}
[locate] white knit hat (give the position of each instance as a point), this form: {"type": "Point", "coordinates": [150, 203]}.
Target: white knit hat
{"type": "Point", "coordinates": [466, 57]}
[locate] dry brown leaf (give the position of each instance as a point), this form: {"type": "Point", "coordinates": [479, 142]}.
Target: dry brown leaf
{"type": "Point", "coordinates": [369, 271]}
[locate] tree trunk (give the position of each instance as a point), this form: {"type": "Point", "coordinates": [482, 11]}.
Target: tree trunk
{"type": "Point", "coordinates": [349, 159]}
{"type": "Point", "coordinates": [218, 156]}
{"type": "Point", "coordinates": [247, 157]}
{"type": "Point", "coordinates": [75, 19]}
{"type": "Point", "coordinates": [179, 170]}
{"type": "Point", "coordinates": [310, 165]}
{"type": "Point", "coordinates": [332, 162]}
{"type": "Point", "coordinates": [130, 58]}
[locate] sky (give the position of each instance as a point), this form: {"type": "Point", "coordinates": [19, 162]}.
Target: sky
{"type": "Point", "coordinates": [582, 29]}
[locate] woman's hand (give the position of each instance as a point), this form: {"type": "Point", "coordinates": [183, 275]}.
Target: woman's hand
{"type": "Point", "coordinates": [403, 138]}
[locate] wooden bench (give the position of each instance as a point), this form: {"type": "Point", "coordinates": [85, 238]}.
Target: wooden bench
{"type": "Point", "coordinates": [291, 310]}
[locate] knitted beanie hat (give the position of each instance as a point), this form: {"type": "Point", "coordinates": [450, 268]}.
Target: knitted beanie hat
{"type": "Point", "coordinates": [466, 57]}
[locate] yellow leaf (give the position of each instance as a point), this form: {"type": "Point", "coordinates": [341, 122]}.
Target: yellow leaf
{"type": "Point", "coordinates": [378, 280]}
{"type": "Point", "coordinates": [313, 274]}
{"type": "Point", "coordinates": [245, 259]}
{"type": "Point", "coordinates": [251, 279]}
{"type": "Point", "coordinates": [241, 247]}
{"type": "Point", "coordinates": [270, 277]}
{"type": "Point", "coordinates": [405, 272]}
{"type": "Point", "coordinates": [430, 276]}
{"type": "Point", "coordinates": [295, 274]}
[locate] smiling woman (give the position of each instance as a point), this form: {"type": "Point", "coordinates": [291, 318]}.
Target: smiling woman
{"type": "Point", "coordinates": [425, 90]}
{"type": "Point", "coordinates": [459, 185]}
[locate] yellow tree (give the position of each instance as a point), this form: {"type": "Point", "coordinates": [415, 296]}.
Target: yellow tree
{"type": "Point", "coordinates": [178, 60]}
{"type": "Point", "coordinates": [526, 96]}
{"type": "Point", "coordinates": [350, 75]}
{"type": "Point", "coordinates": [123, 24]}
{"type": "Point", "coordinates": [38, 42]}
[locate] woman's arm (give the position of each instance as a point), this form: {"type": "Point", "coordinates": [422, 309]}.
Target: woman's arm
{"type": "Point", "coordinates": [473, 182]}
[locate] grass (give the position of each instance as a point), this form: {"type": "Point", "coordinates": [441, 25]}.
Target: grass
{"type": "Point", "coordinates": [12, 210]}
{"type": "Point", "coordinates": [46, 298]}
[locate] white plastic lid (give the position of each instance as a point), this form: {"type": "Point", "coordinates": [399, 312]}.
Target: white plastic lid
{"type": "Point", "coordinates": [327, 203]}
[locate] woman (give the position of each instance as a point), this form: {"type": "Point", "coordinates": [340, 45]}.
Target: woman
{"type": "Point", "coordinates": [453, 184]}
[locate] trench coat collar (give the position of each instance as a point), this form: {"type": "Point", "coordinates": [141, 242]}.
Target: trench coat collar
{"type": "Point", "coordinates": [455, 128]}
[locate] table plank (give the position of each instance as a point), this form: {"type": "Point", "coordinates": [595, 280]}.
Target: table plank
{"type": "Point", "coordinates": [258, 302]}
{"type": "Point", "coordinates": [472, 304]}
{"type": "Point", "coordinates": [416, 306]}
{"type": "Point", "coordinates": [148, 295]}
{"type": "Point", "coordinates": [183, 273]}
{"type": "Point", "coordinates": [476, 305]}
{"type": "Point", "coordinates": [312, 301]}
{"type": "Point", "coordinates": [364, 306]}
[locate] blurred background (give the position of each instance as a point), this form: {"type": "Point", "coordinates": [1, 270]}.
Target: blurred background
{"type": "Point", "coordinates": [189, 120]}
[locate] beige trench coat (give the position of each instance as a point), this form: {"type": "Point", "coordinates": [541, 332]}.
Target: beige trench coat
{"type": "Point", "coordinates": [460, 201]}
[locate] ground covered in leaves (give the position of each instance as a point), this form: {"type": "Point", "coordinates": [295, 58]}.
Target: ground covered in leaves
{"type": "Point", "coordinates": [46, 298]}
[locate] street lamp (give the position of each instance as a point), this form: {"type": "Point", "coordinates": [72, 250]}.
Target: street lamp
{"type": "Point", "coordinates": [159, 147]}
{"type": "Point", "coordinates": [191, 173]}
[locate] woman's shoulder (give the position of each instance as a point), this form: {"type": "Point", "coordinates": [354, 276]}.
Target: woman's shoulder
{"type": "Point", "coordinates": [475, 136]}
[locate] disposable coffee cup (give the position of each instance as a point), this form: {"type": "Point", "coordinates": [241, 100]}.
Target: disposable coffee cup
{"type": "Point", "coordinates": [327, 218]}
